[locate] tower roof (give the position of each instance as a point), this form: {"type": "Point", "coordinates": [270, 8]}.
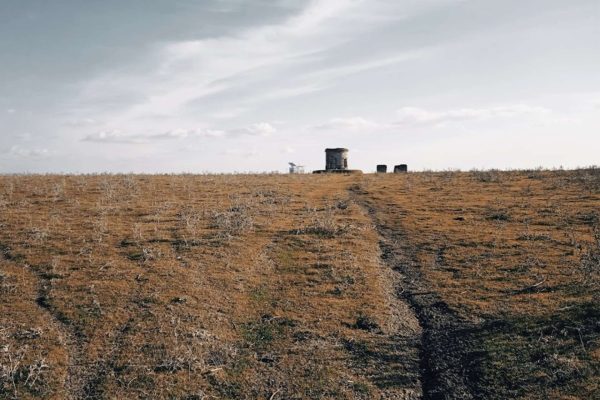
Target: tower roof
{"type": "Point", "coordinates": [339, 149]}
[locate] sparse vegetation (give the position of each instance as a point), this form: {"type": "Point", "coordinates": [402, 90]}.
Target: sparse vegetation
{"type": "Point", "coordinates": [500, 268]}
{"type": "Point", "coordinates": [480, 284]}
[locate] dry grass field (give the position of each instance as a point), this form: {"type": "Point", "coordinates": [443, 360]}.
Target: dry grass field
{"type": "Point", "coordinates": [503, 271]}
{"type": "Point", "coordinates": [452, 285]}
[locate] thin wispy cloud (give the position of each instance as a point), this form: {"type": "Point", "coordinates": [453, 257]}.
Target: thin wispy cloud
{"type": "Point", "coordinates": [263, 64]}
{"type": "Point", "coordinates": [351, 123]}
{"type": "Point", "coordinates": [35, 153]}
{"type": "Point", "coordinates": [420, 117]}
{"type": "Point", "coordinates": [258, 129]}
{"type": "Point", "coordinates": [244, 153]}
{"type": "Point", "coordinates": [82, 122]}
{"type": "Point", "coordinates": [187, 71]}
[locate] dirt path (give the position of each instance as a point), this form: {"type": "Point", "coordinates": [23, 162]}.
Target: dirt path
{"type": "Point", "coordinates": [445, 364]}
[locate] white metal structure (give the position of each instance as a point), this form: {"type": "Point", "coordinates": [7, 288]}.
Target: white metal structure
{"type": "Point", "coordinates": [296, 169]}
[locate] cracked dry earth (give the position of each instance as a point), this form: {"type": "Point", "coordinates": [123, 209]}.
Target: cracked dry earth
{"type": "Point", "coordinates": [407, 286]}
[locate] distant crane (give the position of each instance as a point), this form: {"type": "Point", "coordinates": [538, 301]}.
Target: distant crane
{"type": "Point", "coordinates": [296, 169]}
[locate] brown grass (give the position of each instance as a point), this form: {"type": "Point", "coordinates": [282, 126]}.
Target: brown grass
{"type": "Point", "coordinates": [183, 286]}
{"type": "Point", "coordinates": [273, 287]}
{"type": "Point", "coordinates": [515, 256]}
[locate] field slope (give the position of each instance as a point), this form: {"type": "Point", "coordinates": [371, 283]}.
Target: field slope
{"type": "Point", "coordinates": [422, 285]}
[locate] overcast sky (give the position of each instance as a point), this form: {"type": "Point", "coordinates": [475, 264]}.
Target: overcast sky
{"type": "Point", "coordinates": [248, 85]}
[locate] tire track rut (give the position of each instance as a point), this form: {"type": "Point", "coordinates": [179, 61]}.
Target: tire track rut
{"type": "Point", "coordinates": [77, 380]}
{"type": "Point", "coordinates": [447, 367]}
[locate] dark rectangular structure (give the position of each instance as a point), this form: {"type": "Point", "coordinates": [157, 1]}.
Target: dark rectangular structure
{"type": "Point", "coordinates": [399, 169]}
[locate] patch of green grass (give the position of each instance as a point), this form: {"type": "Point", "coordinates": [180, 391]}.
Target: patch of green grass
{"type": "Point", "coordinates": [260, 295]}
{"type": "Point", "coordinates": [285, 260]}
{"type": "Point", "coordinates": [262, 333]}
{"type": "Point", "coordinates": [361, 388]}
{"type": "Point", "coordinates": [518, 355]}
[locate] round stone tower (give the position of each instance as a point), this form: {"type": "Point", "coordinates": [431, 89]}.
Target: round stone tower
{"type": "Point", "coordinates": [336, 159]}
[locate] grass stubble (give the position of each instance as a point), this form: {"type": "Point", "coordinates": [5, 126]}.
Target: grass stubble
{"type": "Point", "coordinates": [480, 284]}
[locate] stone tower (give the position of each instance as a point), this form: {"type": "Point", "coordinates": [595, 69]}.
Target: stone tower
{"type": "Point", "coordinates": [336, 159]}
